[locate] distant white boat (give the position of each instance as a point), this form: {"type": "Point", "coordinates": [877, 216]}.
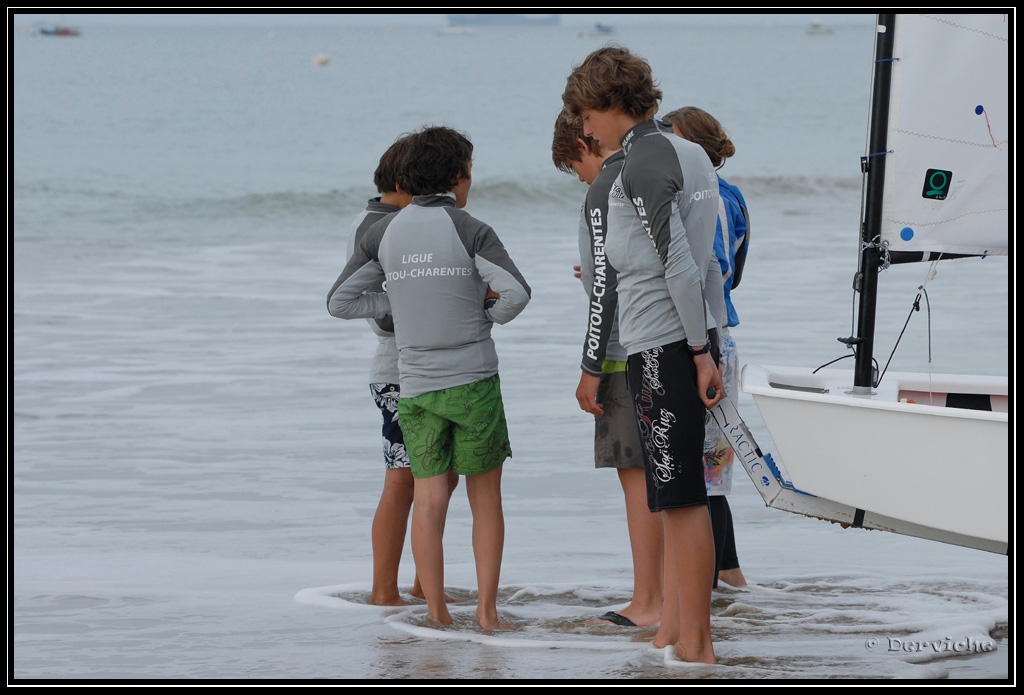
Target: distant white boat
{"type": "Point", "coordinates": [600, 30]}
{"type": "Point", "coordinates": [496, 18]}
{"type": "Point", "coordinates": [817, 28]}
{"type": "Point", "coordinates": [455, 31]}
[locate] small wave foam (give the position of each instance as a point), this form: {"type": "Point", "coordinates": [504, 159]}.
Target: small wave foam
{"type": "Point", "coordinates": [802, 628]}
{"type": "Point", "coordinates": [525, 633]}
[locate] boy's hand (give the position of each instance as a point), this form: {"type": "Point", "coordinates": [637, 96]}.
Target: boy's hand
{"type": "Point", "coordinates": [709, 377]}
{"type": "Point", "coordinates": [586, 394]}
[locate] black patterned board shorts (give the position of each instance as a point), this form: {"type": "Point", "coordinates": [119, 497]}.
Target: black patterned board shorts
{"type": "Point", "coordinates": [670, 416]}
{"type": "Point", "coordinates": [386, 397]}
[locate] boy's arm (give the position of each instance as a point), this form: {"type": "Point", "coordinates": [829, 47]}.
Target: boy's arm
{"type": "Point", "coordinates": [351, 296]}
{"type": "Point", "coordinates": [601, 280]}
{"type": "Point", "coordinates": [501, 275]}
{"type": "Point", "coordinates": [714, 292]}
{"type": "Point", "coordinates": [653, 190]}
{"type": "Point", "coordinates": [384, 327]}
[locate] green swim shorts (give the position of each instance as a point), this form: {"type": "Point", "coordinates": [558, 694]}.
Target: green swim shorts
{"type": "Point", "coordinates": [462, 428]}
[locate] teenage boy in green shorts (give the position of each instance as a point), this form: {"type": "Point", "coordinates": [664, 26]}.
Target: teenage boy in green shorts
{"type": "Point", "coordinates": [448, 280]}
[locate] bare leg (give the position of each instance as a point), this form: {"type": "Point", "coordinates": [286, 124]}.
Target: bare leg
{"type": "Point", "coordinates": [430, 507]}
{"type": "Point", "coordinates": [484, 491]}
{"type": "Point", "coordinates": [417, 590]}
{"type": "Point", "coordinates": [388, 535]}
{"type": "Point", "coordinates": [645, 541]}
{"type": "Point", "coordinates": [668, 630]}
{"type": "Point", "coordinates": [688, 533]}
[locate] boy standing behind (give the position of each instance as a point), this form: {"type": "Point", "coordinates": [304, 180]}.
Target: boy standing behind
{"type": "Point", "coordinates": [616, 439]}
{"type": "Point", "coordinates": [392, 516]}
{"type": "Point", "coordinates": [448, 279]}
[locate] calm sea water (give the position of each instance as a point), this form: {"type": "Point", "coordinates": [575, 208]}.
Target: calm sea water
{"type": "Point", "coordinates": [195, 461]}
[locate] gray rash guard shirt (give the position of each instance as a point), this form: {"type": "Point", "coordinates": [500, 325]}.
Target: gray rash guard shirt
{"type": "Point", "coordinates": [384, 365]}
{"type": "Point", "coordinates": [669, 184]}
{"type": "Point", "coordinates": [599, 277]}
{"type": "Point", "coordinates": [438, 262]}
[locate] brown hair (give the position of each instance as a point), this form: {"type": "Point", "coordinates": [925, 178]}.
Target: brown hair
{"type": "Point", "coordinates": [699, 126]}
{"type": "Point", "coordinates": [612, 77]}
{"type": "Point", "coordinates": [565, 146]}
{"type": "Point", "coordinates": [385, 177]}
{"type": "Point", "coordinates": [435, 158]}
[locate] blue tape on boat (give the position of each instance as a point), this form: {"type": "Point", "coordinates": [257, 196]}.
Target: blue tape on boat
{"type": "Point", "coordinates": [778, 476]}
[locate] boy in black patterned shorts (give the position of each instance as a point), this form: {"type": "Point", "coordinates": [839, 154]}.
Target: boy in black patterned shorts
{"type": "Point", "coordinates": [665, 323]}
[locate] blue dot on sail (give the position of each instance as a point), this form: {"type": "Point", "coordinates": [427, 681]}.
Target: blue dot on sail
{"type": "Point", "coordinates": [979, 109]}
{"type": "Point", "coordinates": [906, 234]}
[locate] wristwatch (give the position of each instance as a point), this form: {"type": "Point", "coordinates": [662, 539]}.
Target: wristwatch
{"type": "Point", "coordinates": [703, 351]}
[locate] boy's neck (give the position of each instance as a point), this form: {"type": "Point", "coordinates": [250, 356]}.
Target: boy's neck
{"type": "Point", "coordinates": [396, 198]}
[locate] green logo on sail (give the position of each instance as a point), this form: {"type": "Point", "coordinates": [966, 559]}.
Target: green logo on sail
{"type": "Point", "coordinates": [936, 184]}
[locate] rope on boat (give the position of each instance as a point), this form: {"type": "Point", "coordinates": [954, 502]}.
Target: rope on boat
{"type": "Point", "coordinates": [916, 306]}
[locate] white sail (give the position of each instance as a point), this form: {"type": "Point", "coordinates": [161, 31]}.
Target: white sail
{"type": "Point", "coordinates": [946, 173]}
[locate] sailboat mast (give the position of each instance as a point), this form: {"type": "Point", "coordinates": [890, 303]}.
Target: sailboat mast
{"type": "Point", "coordinates": [874, 166]}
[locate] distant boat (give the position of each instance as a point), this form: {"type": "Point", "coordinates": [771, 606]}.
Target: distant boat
{"type": "Point", "coordinates": [599, 30]}
{"type": "Point", "coordinates": [496, 19]}
{"type": "Point", "coordinates": [60, 30]}
{"type": "Point", "coordinates": [455, 31]}
{"type": "Point", "coordinates": [817, 28]}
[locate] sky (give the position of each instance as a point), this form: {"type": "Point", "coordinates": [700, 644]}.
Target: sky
{"type": "Point", "coordinates": [414, 19]}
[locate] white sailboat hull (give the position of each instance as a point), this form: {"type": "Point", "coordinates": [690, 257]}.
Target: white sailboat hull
{"type": "Point", "coordinates": [931, 471]}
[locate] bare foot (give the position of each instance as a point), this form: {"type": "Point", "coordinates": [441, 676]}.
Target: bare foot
{"type": "Point", "coordinates": [660, 641]}
{"type": "Point", "coordinates": [387, 599]}
{"type": "Point", "coordinates": [733, 577]}
{"type": "Point", "coordinates": [416, 592]}
{"type": "Point", "coordinates": [696, 655]}
{"type": "Point", "coordinates": [494, 623]}
{"type": "Point", "coordinates": [444, 619]}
